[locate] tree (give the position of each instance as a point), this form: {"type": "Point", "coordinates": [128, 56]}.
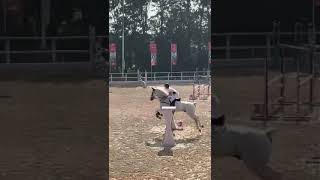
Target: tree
{"type": "Point", "coordinates": [163, 21]}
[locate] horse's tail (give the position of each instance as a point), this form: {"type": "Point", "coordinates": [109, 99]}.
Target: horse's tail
{"type": "Point", "coordinates": [270, 132]}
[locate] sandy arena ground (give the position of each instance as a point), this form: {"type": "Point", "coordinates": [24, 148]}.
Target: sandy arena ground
{"type": "Point", "coordinates": [292, 145]}
{"type": "Point", "coordinates": [53, 130]}
{"type": "Point", "coordinates": [132, 123]}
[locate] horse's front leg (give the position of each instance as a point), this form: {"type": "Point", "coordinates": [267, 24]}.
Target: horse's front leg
{"type": "Point", "coordinates": [158, 114]}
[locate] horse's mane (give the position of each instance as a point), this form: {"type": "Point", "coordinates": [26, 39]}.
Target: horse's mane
{"type": "Point", "coordinates": [161, 90]}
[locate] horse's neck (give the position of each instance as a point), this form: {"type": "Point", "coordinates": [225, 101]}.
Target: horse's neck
{"type": "Point", "coordinates": [164, 101]}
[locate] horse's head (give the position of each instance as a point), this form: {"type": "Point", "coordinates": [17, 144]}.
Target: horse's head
{"type": "Point", "coordinates": [152, 97]}
{"type": "Point", "coordinates": [157, 93]}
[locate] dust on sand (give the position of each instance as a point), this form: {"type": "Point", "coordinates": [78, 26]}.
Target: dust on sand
{"type": "Point", "coordinates": [293, 144]}
{"type": "Point", "coordinates": [53, 130]}
{"type": "Point", "coordinates": [132, 123]}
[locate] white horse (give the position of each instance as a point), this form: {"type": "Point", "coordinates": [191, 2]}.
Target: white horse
{"type": "Point", "coordinates": [188, 107]}
{"type": "Point", "coordinates": [250, 145]}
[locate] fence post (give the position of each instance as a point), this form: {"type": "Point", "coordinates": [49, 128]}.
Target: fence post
{"type": "Point", "coordinates": [7, 49]}
{"type": "Point", "coordinates": [253, 53]}
{"type": "Point", "coordinates": [92, 37]}
{"type": "Point", "coordinates": [310, 34]}
{"type": "Point", "coordinates": [145, 76]}
{"type": "Point", "coordinates": [168, 76]}
{"type": "Point", "coordinates": [181, 75]}
{"type": "Point", "coordinates": [228, 38]}
{"type": "Point", "coordinates": [275, 44]}
{"type": "Point", "coordinates": [268, 44]}
{"type": "Point", "coordinates": [266, 74]}
{"type": "Point", "coordinates": [311, 71]}
{"type": "Point", "coordinates": [53, 50]}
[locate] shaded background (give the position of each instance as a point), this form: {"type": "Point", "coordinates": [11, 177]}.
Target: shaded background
{"type": "Point", "coordinates": [255, 16]}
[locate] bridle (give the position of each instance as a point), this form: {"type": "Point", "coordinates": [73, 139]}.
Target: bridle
{"type": "Point", "coordinates": [162, 99]}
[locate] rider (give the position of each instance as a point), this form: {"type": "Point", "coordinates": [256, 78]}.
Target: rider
{"type": "Point", "coordinates": [173, 94]}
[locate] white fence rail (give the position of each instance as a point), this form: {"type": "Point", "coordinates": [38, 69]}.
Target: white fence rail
{"type": "Point", "coordinates": [159, 76]}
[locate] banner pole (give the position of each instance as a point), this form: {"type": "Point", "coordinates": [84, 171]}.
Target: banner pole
{"type": "Point", "coordinates": [171, 66]}
{"type": "Point", "coordinates": [171, 58]}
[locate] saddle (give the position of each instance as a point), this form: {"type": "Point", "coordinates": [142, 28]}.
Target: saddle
{"type": "Point", "coordinates": [173, 103]}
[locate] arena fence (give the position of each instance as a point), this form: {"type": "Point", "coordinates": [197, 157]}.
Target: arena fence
{"type": "Point", "coordinates": [248, 50]}
{"type": "Point", "coordinates": [56, 53]}
{"type": "Point", "coordinates": [244, 45]}
{"type": "Point", "coordinates": [157, 77]}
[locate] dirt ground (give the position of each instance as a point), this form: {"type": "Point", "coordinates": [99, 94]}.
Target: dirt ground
{"type": "Point", "coordinates": [53, 130]}
{"type": "Point", "coordinates": [132, 124]}
{"type": "Point", "coordinates": [293, 144]}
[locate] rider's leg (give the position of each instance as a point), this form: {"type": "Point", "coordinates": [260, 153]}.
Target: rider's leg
{"type": "Point", "coordinates": [173, 103]}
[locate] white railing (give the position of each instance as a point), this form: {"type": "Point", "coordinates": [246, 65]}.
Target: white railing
{"type": "Point", "coordinates": [50, 48]}
{"type": "Point", "coordinates": [231, 46]}
{"type": "Point", "coordinates": [158, 76]}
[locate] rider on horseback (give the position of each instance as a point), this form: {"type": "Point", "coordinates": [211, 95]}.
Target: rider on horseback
{"type": "Point", "coordinates": [173, 95]}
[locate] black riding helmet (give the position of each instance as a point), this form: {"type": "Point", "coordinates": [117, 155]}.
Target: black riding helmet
{"type": "Point", "coordinates": [166, 85]}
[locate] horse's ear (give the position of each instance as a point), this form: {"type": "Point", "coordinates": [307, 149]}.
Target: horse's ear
{"type": "Point", "coordinates": [152, 88]}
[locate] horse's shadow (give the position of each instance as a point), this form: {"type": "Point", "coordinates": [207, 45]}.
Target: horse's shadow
{"type": "Point", "coordinates": [168, 151]}
{"type": "Point", "coordinates": [6, 97]}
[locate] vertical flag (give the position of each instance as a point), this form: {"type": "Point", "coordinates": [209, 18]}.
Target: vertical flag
{"type": "Point", "coordinates": [317, 3]}
{"type": "Point", "coordinates": [173, 54]}
{"type": "Point", "coordinates": [113, 56]}
{"type": "Point", "coordinates": [153, 52]}
{"type": "Point", "coordinates": [209, 53]}
{"type": "Point", "coordinates": [14, 7]}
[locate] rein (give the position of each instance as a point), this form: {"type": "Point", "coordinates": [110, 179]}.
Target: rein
{"type": "Point", "coordinates": [163, 100]}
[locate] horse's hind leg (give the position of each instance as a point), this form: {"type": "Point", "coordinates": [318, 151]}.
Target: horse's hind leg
{"type": "Point", "coordinates": [265, 172]}
{"type": "Point", "coordinates": [197, 121]}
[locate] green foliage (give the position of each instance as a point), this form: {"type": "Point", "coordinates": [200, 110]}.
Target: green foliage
{"type": "Point", "coordinates": [185, 22]}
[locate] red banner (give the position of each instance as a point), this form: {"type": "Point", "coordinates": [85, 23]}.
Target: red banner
{"type": "Point", "coordinates": [153, 52]}
{"type": "Point", "coordinates": [14, 7]}
{"type": "Point", "coordinates": [209, 47]}
{"type": "Point", "coordinates": [113, 54]}
{"type": "Point", "coordinates": [173, 54]}
{"type": "Point", "coordinates": [317, 3]}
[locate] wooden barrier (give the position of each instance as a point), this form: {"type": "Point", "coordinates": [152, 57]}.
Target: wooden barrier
{"type": "Point", "coordinates": [168, 140]}
{"type": "Point", "coordinates": [266, 111]}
